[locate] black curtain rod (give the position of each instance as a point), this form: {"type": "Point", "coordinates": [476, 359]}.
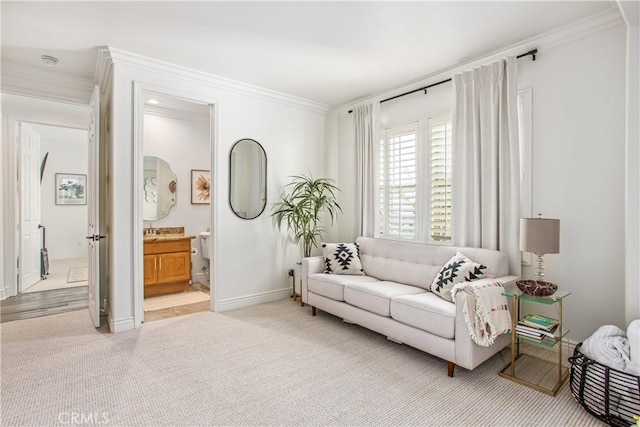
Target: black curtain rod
{"type": "Point", "coordinates": [531, 53]}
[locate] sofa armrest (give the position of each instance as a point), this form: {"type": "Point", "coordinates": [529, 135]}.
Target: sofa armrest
{"type": "Point", "coordinates": [310, 265]}
{"type": "Point", "coordinates": [467, 353]}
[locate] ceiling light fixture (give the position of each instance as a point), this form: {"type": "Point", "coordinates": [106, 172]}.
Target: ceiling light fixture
{"type": "Point", "coordinates": [51, 61]}
{"type": "Point", "coordinates": [153, 101]}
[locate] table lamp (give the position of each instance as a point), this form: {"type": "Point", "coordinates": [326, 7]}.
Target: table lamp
{"type": "Point", "coordinates": [539, 236]}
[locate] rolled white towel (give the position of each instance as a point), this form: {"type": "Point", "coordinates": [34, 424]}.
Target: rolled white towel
{"type": "Point", "coordinates": [633, 335]}
{"type": "Point", "coordinates": [608, 346]}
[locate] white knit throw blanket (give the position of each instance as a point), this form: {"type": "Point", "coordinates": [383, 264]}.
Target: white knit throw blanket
{"type": "Point", "coordinates": [609, 346]}
{"type": "Point", "coordinates": [486, 310]}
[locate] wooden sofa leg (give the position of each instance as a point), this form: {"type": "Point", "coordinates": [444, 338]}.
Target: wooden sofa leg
{"type": "Point", "coordinates": [313, 311]}
{"type": "Point", "coordinates": [450, 366]}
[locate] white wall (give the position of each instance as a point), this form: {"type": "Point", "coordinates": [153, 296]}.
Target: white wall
{"type": "Point", "coordinates": [184, 145]}
{"type": "Point", "coordinates": [250, 259]}
{"type": "Point", "coordinates": [631, 14]}
{"type": "Point", "coordinates": [578, 165]}
{"type": "Point", "coordinates": [253, 258]}
{"type": "Point", "coordinates": [66, 225]}
{"type": "Point", "coordinates": [578, 172]}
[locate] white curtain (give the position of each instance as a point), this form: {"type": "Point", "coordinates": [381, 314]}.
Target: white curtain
{"type": "Point", "coordinates": [486, 166]}
{"type": "Point", "coordinates": [363, 122]}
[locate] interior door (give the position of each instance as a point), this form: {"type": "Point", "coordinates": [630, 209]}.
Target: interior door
{"type": "Point", "coordinates": [30, 237]}
{"type": "Point", "coordinates": [93, 204]}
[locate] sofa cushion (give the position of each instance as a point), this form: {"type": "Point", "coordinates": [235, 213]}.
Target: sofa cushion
{"type": "Point", "coordinates": [417, 264]}
{"type": "Point", "coordinates": [409, 263]}
{"type": "Point", "coordinates": [332, 285]}
{"type": "Point", "coordinates": [376, 296]}
{"type": "Point", "coordinates": [425, 311]}
{"type": "Point", "coordinates": [457, 270]}
{"type": "Point", "coordinates": [342, 258]}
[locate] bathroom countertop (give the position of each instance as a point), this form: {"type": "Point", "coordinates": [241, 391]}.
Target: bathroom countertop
{"type": "Point", "coordinates": [166, 237]}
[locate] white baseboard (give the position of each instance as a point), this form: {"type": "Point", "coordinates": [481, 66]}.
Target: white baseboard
{"type": "Point", "coordinates": [3, 293]}
{"type": "Point", "coordinates": [119, 325]}
{"type": "Point", "coordinates": [567, 347]}
{"type": "Point", "coordinates": [253, 299]}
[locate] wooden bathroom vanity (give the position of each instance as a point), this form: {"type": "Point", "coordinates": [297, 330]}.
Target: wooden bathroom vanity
{"type": "Point", "coordinates": [167, 264]}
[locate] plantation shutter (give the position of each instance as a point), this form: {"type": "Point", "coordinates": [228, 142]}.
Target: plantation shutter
{"type": "Point", "coordinates": [382, 186]}
{"type": "Point", "coordinates": [398, 183]}
{"type": "Point", "coordinates": [439, 133]}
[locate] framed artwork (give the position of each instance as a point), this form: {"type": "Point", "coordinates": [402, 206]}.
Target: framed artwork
{"type": "Point", "coordinates": [200, 187]}
{"type": "Point", "coordinates": [71, 189]}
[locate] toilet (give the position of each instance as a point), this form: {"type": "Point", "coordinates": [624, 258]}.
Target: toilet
{"type": "Point", "coordinates": [204, 244]}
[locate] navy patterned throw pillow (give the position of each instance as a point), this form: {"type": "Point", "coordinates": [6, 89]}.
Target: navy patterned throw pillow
{"type": "Point", "coordinates": [342, 258]}
{"type": "Point", "coordinates": [457, 270]}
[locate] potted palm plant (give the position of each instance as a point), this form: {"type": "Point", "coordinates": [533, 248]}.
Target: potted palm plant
{"type": "Point", "coordinates": [302, 208]}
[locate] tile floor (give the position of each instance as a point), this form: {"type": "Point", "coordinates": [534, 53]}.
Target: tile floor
{"type": "Point", "coordinates": [181, 310]}
{"type": "Point", "coordinates": [57, 278]}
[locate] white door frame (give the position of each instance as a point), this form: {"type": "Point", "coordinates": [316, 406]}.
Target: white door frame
{"type": "Point", "coordinates": [139, 89]}
{"type": "Point", "coordinates": [17, 109]}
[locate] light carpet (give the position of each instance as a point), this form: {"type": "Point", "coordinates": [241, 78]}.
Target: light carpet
{"type": "Point", "coordinates": [174, 300]}
{"type": "Point", "coordinates": [77, 274]}
{"type": "Point", "coordinates": [269, 364]}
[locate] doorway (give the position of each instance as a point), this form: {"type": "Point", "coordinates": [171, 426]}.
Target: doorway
{"type": "Point", "coordinates": [45, 142]}
{"type": "Point", "coordinates": [33, 112]}
{"type": "Point", "coordinates": [62, 225]}
{"type": "Point", "coordinates": [175, 196]}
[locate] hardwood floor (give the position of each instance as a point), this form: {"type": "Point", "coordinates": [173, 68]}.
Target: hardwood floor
{"type": "Point", "coordinates": [36, 304]}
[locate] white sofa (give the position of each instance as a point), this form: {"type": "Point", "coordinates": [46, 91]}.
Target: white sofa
{"type": "Point", "coordinates": [393, 298]}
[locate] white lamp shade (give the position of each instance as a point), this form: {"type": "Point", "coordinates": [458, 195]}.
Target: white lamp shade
{"type": "Point", "coordinates": [540, 235]}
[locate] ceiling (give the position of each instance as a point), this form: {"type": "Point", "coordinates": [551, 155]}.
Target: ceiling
{"type": "Point", "coordinates": [330, 52]}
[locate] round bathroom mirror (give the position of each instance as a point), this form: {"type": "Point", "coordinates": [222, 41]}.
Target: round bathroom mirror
{"type": "Point", "coordinates": [159, 188]}
{"type": "Point", "coordinates": [247, 179]}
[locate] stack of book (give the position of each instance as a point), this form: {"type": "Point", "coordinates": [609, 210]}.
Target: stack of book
{"type": "Point", "coordinates": [537, 327]}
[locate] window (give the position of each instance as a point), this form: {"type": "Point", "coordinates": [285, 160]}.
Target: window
{"type": "Point", "coordinates": [415, 181]}
{"type": "Point", "coordinates": [439, 133]}
{"type": "Point", "coordinates": [398, 183]}
{"type": "Point", "coordinates": [415, 176]}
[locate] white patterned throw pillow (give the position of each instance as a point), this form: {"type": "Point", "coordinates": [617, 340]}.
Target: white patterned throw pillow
{"type": "Point", "coordinates": [457, 270]}
{"type": "Point", "coordinates": [342, 258]}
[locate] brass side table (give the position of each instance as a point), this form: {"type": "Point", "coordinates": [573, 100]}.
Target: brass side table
{"type": "Point", "coordinates": [531, 371]}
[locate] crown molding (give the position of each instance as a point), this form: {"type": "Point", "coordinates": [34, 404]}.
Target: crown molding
{"type": "Point", "coordinates": [38, 83]}
{"type": "Point", "coordinates": [104, 69]}
{"type": "Point", "coordinates": [630, 11]}
{"type": "Point", "coordinates": [576, 30]}
{"type": "Point", "coordinates": [115, 56]}
{"type": "Point", "coordinates": [579, 29]}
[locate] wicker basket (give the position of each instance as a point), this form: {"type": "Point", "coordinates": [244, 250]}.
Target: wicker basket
{"type": "Point", "coordinates": [612, 396]}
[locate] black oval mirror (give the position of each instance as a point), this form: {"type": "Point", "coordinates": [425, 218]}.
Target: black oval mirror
{"type": "Point", "coordinates": [247, 179]}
